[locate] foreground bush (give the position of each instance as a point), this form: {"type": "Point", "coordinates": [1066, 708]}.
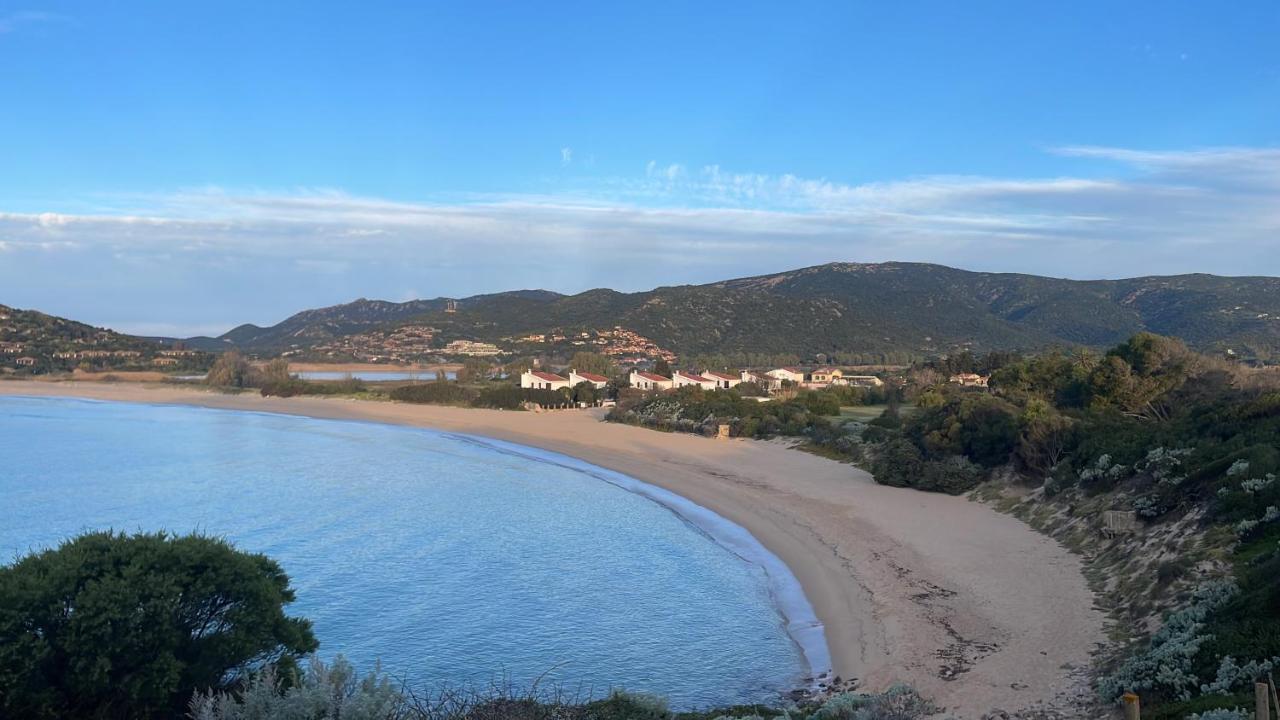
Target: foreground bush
{"type": "Point", "coordinates": [324, 691]}
{"type": "Point", "coordinates": [337, 692]}
{"type": "Point", "coordinates": [129, 626]}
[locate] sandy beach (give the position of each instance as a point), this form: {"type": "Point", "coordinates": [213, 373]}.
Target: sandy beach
{"type": "Point", "coordinates": [972, 607]}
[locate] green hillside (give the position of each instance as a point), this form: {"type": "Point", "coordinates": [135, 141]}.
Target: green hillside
{"type": "Point", "coordinates": [859, 312]}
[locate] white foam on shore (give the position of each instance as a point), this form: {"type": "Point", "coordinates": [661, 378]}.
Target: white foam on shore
{"type": "Point", "coordinates": [802, 623]}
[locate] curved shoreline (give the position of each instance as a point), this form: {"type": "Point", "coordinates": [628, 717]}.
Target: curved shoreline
{"type": "Point", "coordinates": [802, 623]}
{"type": "Point", "coordinates": [973, 607]}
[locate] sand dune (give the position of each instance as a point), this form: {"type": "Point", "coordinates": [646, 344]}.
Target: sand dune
{"type": "Point", "coordinates": [972, 607]}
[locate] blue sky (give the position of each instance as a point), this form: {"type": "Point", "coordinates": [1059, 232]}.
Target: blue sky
{"type": "Point", "coordinates": [184, 167]}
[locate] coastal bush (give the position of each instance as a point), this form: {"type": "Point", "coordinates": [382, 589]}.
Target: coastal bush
{"type": "Point", "coordinates": [1167, 665]}
{"type": "Point", "coordinates": [291, 387]}
{"type": "Point", "coordinates": [434, 393]}
{"type": "Point", "coordinates": [899, 702]}
{"type": "Point", "coordinates": [112, 625]}
{"type": "Point", "coordinates": [333, 691]}
{"type": "Point", "coordinates": [232, 369]}
{"type": "Point", "coordinates": [1221, 714]}
{"type": "Point", "coordinates": [513, 397]}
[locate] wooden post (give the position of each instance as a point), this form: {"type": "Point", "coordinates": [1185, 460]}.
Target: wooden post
{"type": "Point", "coordinates": [1132, 709]}
{"type": "Point", "coordinates": [1261, 701]}
{"type": "Point", "coordinates": [1275, 700]}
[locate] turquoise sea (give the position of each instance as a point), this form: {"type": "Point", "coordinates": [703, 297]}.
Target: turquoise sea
{"type": "Point", "coordinates": [449, 558]}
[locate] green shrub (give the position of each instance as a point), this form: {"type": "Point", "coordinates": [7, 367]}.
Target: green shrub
{"type": "Point", "coordinates": [433, 393]}
{"type": "Point", "coordinates": [114, 625]}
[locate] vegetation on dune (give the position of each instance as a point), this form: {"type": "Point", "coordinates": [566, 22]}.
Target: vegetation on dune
{"type": "Point", "coordinates": [810, 414]}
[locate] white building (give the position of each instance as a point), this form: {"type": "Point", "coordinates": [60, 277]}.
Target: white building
{"type": "Point", "coordinates": [768, 383]}
{"type": "Point", "coordinates": [543, 380]}
{"type": "Point", "coordinates": [597, 381]}
{"type": "Point", "coordinates": [723, 381]}
{"type": "Point", "coordinates": [470, 347]}
{"type": "Point", "coordinates": [684, 379]}
{"type": "Point", "coordinates": [861, 381]}
{"type": "Point", "coordinates": [649, 381]}
{"type": "Point", "coordinates": [795, 375]}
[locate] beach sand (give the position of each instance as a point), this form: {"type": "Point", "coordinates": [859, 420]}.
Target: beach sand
{"type": "Point", "coordinates": [972, 607]}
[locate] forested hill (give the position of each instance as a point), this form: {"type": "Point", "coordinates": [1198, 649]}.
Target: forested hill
{"type": "Point", "coordinates": [843, 310]}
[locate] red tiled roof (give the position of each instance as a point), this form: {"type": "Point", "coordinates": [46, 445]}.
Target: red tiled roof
{"type": "Point", "coordinates": [651, 376]}
{"type": "Point", "coordinates": [692, 376]}
{"type": "Point", "coordinates": [550, 377]}
{"type": "Point", "coordinates": [590, 376]}
{"type": "Point", "coordinates": [722, 376]}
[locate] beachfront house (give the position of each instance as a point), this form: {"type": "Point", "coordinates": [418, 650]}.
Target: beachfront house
{"type": "Point", "coordinates": [723, 381]}
{"type": "Point", "coordinates": [649, 381]}
{"type": "Point", "coordinates": [537, 380]}
{"type": "Point", "coordinates": [597, 381]}
{"type": "Point", "coordinates": [793, 374]}
{"type": "Point", "coordinates": [686, 379]}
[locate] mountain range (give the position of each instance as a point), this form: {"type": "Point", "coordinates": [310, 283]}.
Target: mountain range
{"type": "Point", "coordinates": [852, 310]}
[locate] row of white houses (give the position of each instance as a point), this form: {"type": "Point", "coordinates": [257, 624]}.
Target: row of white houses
{"type": "Point", "coordinates": [708, 380]}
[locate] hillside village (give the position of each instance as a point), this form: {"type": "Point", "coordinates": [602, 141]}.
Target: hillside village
{"type": "Point", "coordinates": [34, 343]}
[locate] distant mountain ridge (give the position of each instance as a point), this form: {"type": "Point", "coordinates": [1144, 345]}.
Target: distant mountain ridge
{"type": "Point", "coordinates": [838, 309]}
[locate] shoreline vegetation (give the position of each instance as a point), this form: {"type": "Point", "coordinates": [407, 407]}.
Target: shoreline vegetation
{"type": "Point", "coordinates": [934, 591]}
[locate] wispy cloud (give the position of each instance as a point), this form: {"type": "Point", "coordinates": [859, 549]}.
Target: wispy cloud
{"type": "Point", "coordinates": [14, 21]}
{"type": "Point", "coordinates": [1160, 212]}
{"type": "Point", "coordinates": [566, 156]}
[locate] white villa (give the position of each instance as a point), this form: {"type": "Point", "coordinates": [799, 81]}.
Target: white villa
{"type": "Point", "coordinates": [684, 379]}
{"type": "Point", "coordinates": [597, 381]}
{"type": "Point", "coordinates": [766, 382]}
{"type": "Point", "coordinates": [723, 381]}
{"type": "Point", "coordinates": [861, 381]}
{"type": "Point", "coordinates": [795, 375]}
{"type": "Point", "coordinates": [649, 381]}
{"type": "Point", "coordinates": [543, 380]}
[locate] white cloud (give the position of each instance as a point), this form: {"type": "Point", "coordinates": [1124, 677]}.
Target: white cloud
{"type": "Point", "coordinates": [13, 21]}
{"type": "Point", "coordinates": [566, 156]}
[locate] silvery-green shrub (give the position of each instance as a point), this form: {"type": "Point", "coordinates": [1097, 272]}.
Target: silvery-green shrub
{"type": "Point", "coordinates": [1166, 663]}
{"type": "Point", "coordinates": [323, 692]}
{"type": "Point", "coordinates": [1235, 714]}
{"type": "Point", "coordinates": [899, 702]}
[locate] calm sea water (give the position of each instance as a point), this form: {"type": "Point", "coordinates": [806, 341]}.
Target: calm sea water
{"type": "Point", "coordinates": [447, 558]}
